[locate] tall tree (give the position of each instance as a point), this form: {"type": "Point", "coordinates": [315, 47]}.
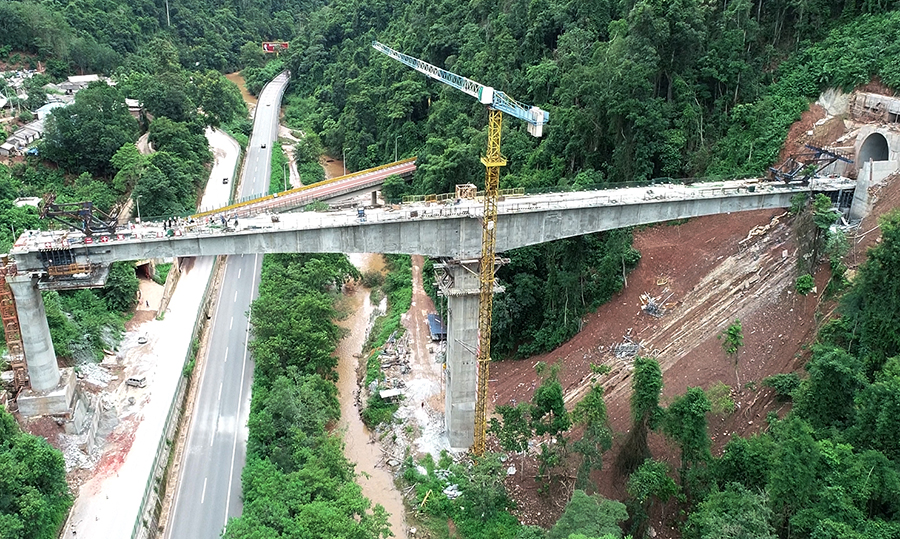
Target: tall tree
{"type": "Point", "coordinates": [735, 513]}
{"type": "Point", "coordinates": [549, 416]}
{"type": "Point", "coordinates": [826, 398]}
{"type": "Point", "coordinates": [646, 385]}
{"type": "Point", "coordinates": [685, 422]}
{"type": "Point", "coordinates": [872, 305]}
{"type": "Point", "coordinates": [35, 497]}
{"type": "Point", "coordinates": [590, 413]}
{"type": "Point", "coordinates": [84, 136]}
{"type": "Point", "coordinates": [592, 516]}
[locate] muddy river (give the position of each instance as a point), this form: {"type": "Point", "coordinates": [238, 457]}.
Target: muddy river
{"type": "Point", "coordinates": [376, 482]}
{"type": "Point", "coordinates": [333, 167]}
{"type": "Point", "coordinates": [239, 80]}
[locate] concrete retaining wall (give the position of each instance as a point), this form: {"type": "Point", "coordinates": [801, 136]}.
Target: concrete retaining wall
{"type": "Point", "coordinates": [146, 523]}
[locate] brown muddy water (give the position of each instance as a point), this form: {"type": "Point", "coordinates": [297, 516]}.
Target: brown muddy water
{"type": "Point", "coordinates": [333, 167]}
{"type": "Point", "coordinates": [239, 80]}
{"type": "Point", "coordinates": [377, 483]}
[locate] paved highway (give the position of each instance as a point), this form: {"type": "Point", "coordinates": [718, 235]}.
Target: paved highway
{"type": "Point", "coordinates": [209, 488]}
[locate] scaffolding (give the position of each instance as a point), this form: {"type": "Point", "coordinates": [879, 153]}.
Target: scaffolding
{"type": "Point", "coordinates": [82, 216]}
{"type": "Point", "coordinates": [804, 166]}
{"type": "Point", "coordinates": [11, 329]}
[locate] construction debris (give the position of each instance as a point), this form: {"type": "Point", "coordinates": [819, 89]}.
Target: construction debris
{"type": "Point", "coordinates": [656, 306]}
{"type": "Point", "coordinates": [762, 229]}
{"type": "Point", "coordinates": [395, 356]}
{"type": "Point", "coordinates": [627, 349]}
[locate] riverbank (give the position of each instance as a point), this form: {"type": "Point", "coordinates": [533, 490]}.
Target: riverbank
{"type": "Point", "coordinates": [360, 446]}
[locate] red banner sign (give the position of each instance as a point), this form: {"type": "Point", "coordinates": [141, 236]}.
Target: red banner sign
{"type": "Point", "coordinates": [274, 46]}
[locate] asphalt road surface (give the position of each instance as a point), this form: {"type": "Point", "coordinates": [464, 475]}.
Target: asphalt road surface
{"type": "Point", "coordinates": [209, 488]}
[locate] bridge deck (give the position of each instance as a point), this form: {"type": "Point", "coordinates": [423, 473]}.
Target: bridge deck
{"type": "Point", "coordinates": [452, 229]}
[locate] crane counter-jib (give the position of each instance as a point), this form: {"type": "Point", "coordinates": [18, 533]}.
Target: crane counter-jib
{"type": "Point", "coordinates": [534, 116]}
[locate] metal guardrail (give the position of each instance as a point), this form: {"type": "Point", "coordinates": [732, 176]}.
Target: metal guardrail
{"type": "Point", "coordinates": [444, 197]}
{"type": "Point", "coordinates": [254, 200]}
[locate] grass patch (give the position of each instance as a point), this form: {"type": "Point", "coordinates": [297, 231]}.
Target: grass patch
{"type": "Point", "coordinates": [719, 395]}
{"type": "Point", "coordinates": [378, 411]}
{"type": "Point", "coordinates": [162, 273]}
{"type": "Point", "coordinates": [482, 512]}
{"type": "Point", "coordinates": [278, 180]}
{"type": "Point", "coordinates": [373, 368]}
{"type": "Point", "coordinates": [398, 288]}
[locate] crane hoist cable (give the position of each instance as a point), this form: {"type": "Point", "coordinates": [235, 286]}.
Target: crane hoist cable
{"type": "Point", "coordinates": [497, 103]}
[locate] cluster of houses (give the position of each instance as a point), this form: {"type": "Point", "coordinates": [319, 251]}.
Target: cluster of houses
{"type": "Point", "coordinates": [58, 95]}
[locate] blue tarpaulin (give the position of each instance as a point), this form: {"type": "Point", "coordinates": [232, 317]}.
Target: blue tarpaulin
{"type": "Point", "coordinates": [436, 327]}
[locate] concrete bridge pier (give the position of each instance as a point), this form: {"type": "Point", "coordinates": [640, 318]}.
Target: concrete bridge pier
{"type": "Point", "coordinates": [458, 281]}
{"type": "Point", "coordinates": [51, 390]}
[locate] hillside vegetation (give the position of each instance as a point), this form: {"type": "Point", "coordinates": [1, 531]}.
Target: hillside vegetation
{"type": "Point", "coordinates": [637, 90]}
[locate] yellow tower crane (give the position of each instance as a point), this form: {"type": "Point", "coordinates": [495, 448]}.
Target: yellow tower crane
{"type": "Point", "coordinates": [497, 103]}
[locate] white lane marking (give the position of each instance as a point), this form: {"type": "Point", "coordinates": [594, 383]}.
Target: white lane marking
{"type": "Point", "coordinates": [220, 392]}
{"type": "Point", "coordinates": [229, 327]}
{"type": "Point", "coordinates": [203, 496]}
{"type": "Point", "coordinates": [235, 295]}
{"type": "Point", "coordinates": [191, 431]}
{"type": "Point", "coordinates": [240, 398]}
{"type": "Point", "coordinates": [240, 269]}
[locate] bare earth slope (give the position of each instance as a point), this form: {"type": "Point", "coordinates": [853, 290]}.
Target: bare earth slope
{"type": "Point", "coordinates": [716, 271]}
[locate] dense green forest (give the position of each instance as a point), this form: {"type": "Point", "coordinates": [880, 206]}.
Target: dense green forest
{"type": "Point", "coordinates": [297, 482]}
{"type": "Point", "coordinates": [637, 90]}
{"type": "Point", "coordinates": [35, 497]}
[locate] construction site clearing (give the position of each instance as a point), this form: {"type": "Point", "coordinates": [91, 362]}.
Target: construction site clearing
{"type": "Point", "coordinates": [706, 272]}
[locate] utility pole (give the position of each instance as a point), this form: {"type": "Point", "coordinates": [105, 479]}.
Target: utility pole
{"type": "Point", "coordinates": [138, 201]}
{"type": "Point", "coordinates": [284, 174]}
{"type": "Point", "coordinates": [395, 147]}
{"type": "Point", "coordinates": [344, 160]}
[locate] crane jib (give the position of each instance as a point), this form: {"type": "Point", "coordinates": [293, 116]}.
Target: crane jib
{"type": "Point", "coordinates": [498, 100]}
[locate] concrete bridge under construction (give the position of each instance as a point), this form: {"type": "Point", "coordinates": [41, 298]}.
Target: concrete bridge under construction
{"type": "Point", "coordinates": [450, 230]}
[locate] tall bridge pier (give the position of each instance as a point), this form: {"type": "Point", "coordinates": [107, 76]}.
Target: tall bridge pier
{"type": "Point", "coordinates": [459, 283]}
{"type": "Point", "coordinates": [51, 389]}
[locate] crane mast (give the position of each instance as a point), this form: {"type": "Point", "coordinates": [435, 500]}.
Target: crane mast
{"type": "Point", "coordinates": [497, 103]}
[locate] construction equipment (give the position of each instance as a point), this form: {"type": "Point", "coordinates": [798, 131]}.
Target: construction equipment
{"type": "Point", "coordinates": [81, 216]}
{"type": "Point", "coordinates": [11, 329]}
{"type": "Point", "coordinates": [804, 166]}
{"type": "Point", "coordinates": [497, 103]}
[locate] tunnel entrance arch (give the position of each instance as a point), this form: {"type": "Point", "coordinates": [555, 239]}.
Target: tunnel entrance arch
{"type": "Point", "coordinates": [875, 147]}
